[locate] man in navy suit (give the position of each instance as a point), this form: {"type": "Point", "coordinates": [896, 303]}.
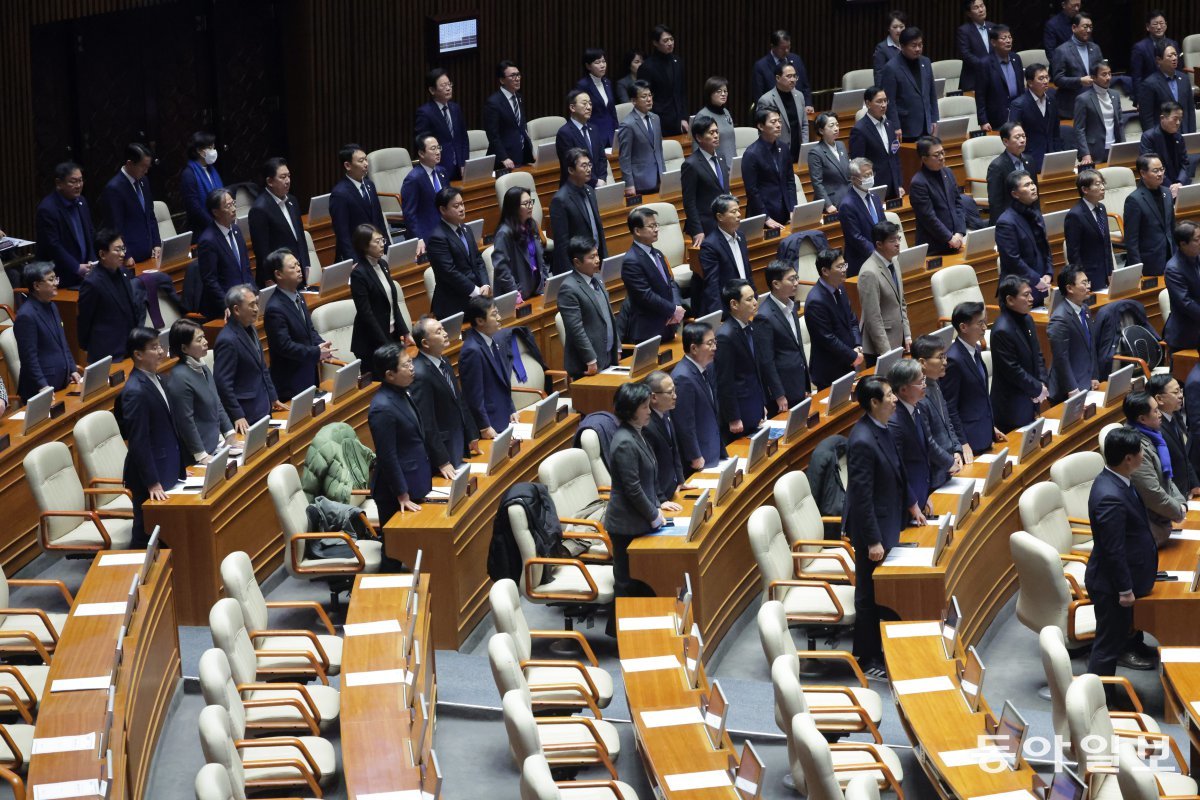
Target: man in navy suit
{"type": "Point", "coordinates": [832, 327]}
{"type": "Point", "coordinates": [130, 205]}
{"type": "Point", "coordinates": [442, 118]}
{"type": "Point", "coordinates": [1124, 560]}
{"type": "Point", "coordinates": [243, 381]}
{"type": "Point", "coordinates": [64, 226]}
{"type": "Point", "coordinates": [578, 131]}
{"type": "Point", "coordinates": [653, 305]}
{"type": "Point", "coordinates": [777, 340]}
{"type": "Point", "coordinates": [505, 121]}
{"type": "Point", "coordinates": [296, 347]}
{"type": "Point", "coordinates": [965, 385]}
{"type": "Point", "coordinates": [877, 509]}
{"type": "Point", "coordinates": [275, 221]}
{"type": "Point", "coordinates": [222, 258]}
{"type": "Point", "coordinates": [458, 269]}
{"type": "Point", "coordinates": [908, 81]}
{"type": "Point", "coordinates": [1086, 229]}
{"type": "Point", "coordinates": [700, 442]}
{"type": "Point", "coordinates": [485, 368]}
{"type": "Point", "coordinates": [661, 434]}
{"type": "Point", "coordinates": [418, 193]}
{"type": "Point", "coordinates": [767, 172]}
{"type": "Point", "coordinates": [1072, 353]}
{"type": "Point", "coordinates": [1019, 383]}
{"type": "Point", "coordinates": [941, 217]}
{"type": "Point", "coordinates": [1182, 330]}
{"type": "Point", "coordinates": [974, 44]}
{"type": "Point", "coordinates": [573, 210]}
{"type": "Point", "coordinates": [1037, 113]}
{"type": "Point", "coordinates": [875, 138]}
{"type": "Point", "coordinates": [1000, 80]}
{"type": "Point", "coordinates": [1149, 218]}
{"type": "Point", "coordinates": [859, 212]}
{"type": "Point", "coordinates": [353, 201]}
{"type": "Point", "coordinates": [42, 347]}
{"type": "Point", "coordinates": [930, 353]}
{"type": "Point", "coordinates": [740, 393]}
{"type": "Point", "coordinates": [111, 302]}
{"type": "Point", "coordinates": [1021, 237]}
{"type": "Point", "coordinates": [913, 433]}
{"type": "Point", "coordinates": [450, 432]}
{"type": "Point", "coordinates": [723, 256]}
{"type": "Point", "coordinates": [1165, 140]}
{"type": "Point", "coordinates": [1142, 57]}
{"type": "Point", "coordinates": [704, 177]}
{"type": "Point", "coordinates": [154, 462]}
{"type": "Point", "coordinates": [402, 473]}
{"type": "Point", "coordinates": [1166, 84]}
{"type": "Point", "coordinates": [763, 79]}
{"type": "Point", "coordinates": [1012, 159]}
{"type": "Point", "coordinates": [1071, 63]}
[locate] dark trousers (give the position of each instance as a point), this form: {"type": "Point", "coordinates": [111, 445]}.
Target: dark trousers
{"type": "Point", "coordinates": [1113, 625]}
{"type": "Point", "coordinates": [623, 584]}
{"type": "Point", "coordinates": [140, 494]}
{"type": "Point", "coordinates": [868, 643]}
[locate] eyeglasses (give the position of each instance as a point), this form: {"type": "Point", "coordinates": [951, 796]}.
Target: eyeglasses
{"type": "Point", "coordinates": [512, 75]}
{"type": "Point", "coordinates": [527, 203]}
{"type": "Point", "coordinates": [434, 148]}
{"type": "Point", "coordinates": [940, 155]}
{"type": "Point", "coordinates": [671, 393]}
{"type": "Point", "coordinates": [378, 240]}
{"type": "Point", "coordinates": [652, 226]}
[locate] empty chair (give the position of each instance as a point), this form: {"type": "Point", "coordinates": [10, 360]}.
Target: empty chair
{"type": "Point", "coordinates": [16, 745]}
{"type": "Point", "coordinates": [67, 524]}
{"type": "Point", "coordinates": [672, 155]}
{"type": "Point", "coordinates": [525, 181]}
{"type": "Point", "coordinates": [1034, 56]}
{"type": "Point", "coordinates": [1120, 182]}
{"type": "Point", "coordinates": [506, 672]}
{"type": "Point", "coordinates": [334, 322]}
{"type": "Point", "coordinates": [623, 110]}
{"type": "Point", "coordinates": [1074, 474]}
{"type": "Point", "coordinates": [8, 300]}
{"type": "Point", "coordinates": [313, 278]}
{"type": "Point", "coordinates": [951, 70]}
{"type": "Point", "coordinates": [858, 79]}
{"type": "Point", "coordinates": [836, 719]}
{"type": "Point", "coordinates": [959, 106]}
{"type": "Point", "coordinates": [12, 359]}
{"type": "Point", "coordinates": [30, 630]}
{"type": "Point", "coordinates": [306, 761]}
{"type": "Point", "coordinates": [1045, 516]}
{"type": "Point", "coordinates": [952, 285]}
{"type": "Point", "coordinates": [821, 769]}
{"type": "Point", "coordinates": [1164, 305]}
{"type": "Point", "coordinates": [1139, 781]}
{"type": "Point", "coordinates": [387, 168]}
{"type": "Point", "coordinates": [229, 627]}
{"type": "Point", "coordinates": [569, 477]}
{"type": "Point", "coordinates": [977, 154]}
{"type": "Point", "coordinates": [590, 443]}
{"type": "Point", "coordinates": [1045, 597]}
{"type": "Point", "coordinates": [805, 529]}
{"type": "Point", "coordinates": [214, 782]}
{"type": "Point", "coordinates": [537, 783]}
{"type": "Point", "coordinates": [293, 710]}
{"type": "Point", "coordinates": [806, 269]}
{"type": "Point", "coordinates": [477, 141]}
{"type": "Point", "coordinates": [744, 137]}
{"type": "Point", "coordinates": [102, 453]}
{"type": "Point", "coordinates": [862, 788]}
{"type": "Point", "coordinates": [670, 243]}
{"type": "Point", "coordinates": [564, 741]}
{"type": "Point", "coordinates": [22, 687]}
{"type": "Point", "coordinates": [162, 216]}
{"type": "Point", "coordinates": [544, 129]}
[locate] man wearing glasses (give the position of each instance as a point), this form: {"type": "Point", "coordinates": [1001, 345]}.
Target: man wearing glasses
{"type": "Point", "coordinates": [941, 218]}
{"type": "Point", "coordinates": [505, 121]}
{"type": "Point", "coordinates": [419, 191]}
{"type": "Point", "coordinates": [64, 226]}
{"type": "Point", "coordinates": [573, 211]}
{"type": "Point", "coordinates": [1150, 218]}
{"type": "Point", "coordinates": [111, 304]}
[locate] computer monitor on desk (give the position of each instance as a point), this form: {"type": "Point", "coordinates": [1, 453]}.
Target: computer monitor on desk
{"type": "Point", "coordinates": [748, 779]}
{"type": "Point", "coordinates": [1056, 164]}
{"type": "Point", "coordinates": [1118, 385]}
{"type": "Point", "coordinates": [95, 377]}
{"type": "Point", "coordinates": [453, 327]}
{"type": "Point", "coordinates": [499, 451]}
{"type": "Point", "coordinates": [610, 268]}
{"type": "Point", "coordinates": [751, 228]}
{"type": "Point", "coordinates": [806, 216]}
{"type": "Point", "coordinates": [478, 169]}
{"type": "Point", "coordinates": [1065, 786]}
{"type": "Point", "coordinates": [1010, 733]}
{"type": "Point", "coordinates": [336, 276]}
{"type": "Point", "coordinates": [671, 182]}
{"type": "Point", "coordinates": [1124, 281]}
{"type": "Point", "coordinates": [971, 680]}
{"type": "Point", "coordinates": [318, 209]}
{"type": "Point", "coordinates": [980, 242]}
{"type": "Point", "coordinates": [301, 407]}
{"type": "Point", "coordinates": [256, 439]}
{"type": "Point", "coordinates": [177, 248]}
{"type": "Point", "coordinates": [402, 253]}
{"type": "Point", "coordinates": [611, 196]}
{"type": "Point", "coordinates": [951, 619]}
{"type": "Point", "coordinates": [553, 284]}
{"type": "Point", "coordinates": [645, 355]}
{"type": "Point", "coordinates": [544, 412]}
{"type": "Point", "coordinates": [839, 391]}
{"type": "Point", "coordinates": [758, 449]}
{"type": "Point", "coordinates": [886, 360]}
{"type": "Point", "coordinates": [912, 259]}
{"type": "Point", "coordinates": [37, 410]}
{"type": "Point", "coordinates": [346, 378]}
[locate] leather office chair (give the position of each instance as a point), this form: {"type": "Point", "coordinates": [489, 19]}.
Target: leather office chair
{"type": "Point", "coordinates": [525, 181]}
{"type": "Point", "coordinates": [670, 243]}
{"type": "Point", "coordinates": [387, 168]}
{"type": "Point", "coordinates": [276, 711]}
{"type": "Point", "coordinates": [8, 299]}
{"type": "Point", "coordinates": [894, 218]}
{"type": "Point", "coordinates": [1164, 305]}
{"type": "Point", "coordinates": [862, 788]}
{"type": "Point", "coordinates": [1137, 781]}
{"type": "Point", "coordinates": [1074, 474]}
{"type": "Point", "coordinates": [821, 770]}
{"type": "Point", "coordinates": [477, 143]}
{"type": "Point", "coordinates": [585, 679]}
{"type": "Point", "coordinates": [805, 339]}
{"type": "Point", "coordinates": [12, 359]}
{"type": "Point", "coordinates": [1104, 432]}
{"type": "Point", "coordinates": [299, 761]}
{"type": "Point", "coordinates": [430, 281]}
{"type": "Point", "coordinates": [67, 523]}
{"type": "Point", "coordinates": [806, 269]}
{"type": "Point", "coordinates": [506, 671]}
{"type": "Point", "coordinates": [537, 783]}
{"type": "Point", "coordinates": [544, 129]}
{"type": "Point", "coordinates": [229, 633]}
{"type": "Point", "coordinates": [836, 718]}
{"type": "Point", "coordinates": [29, 631]}
{"type": "Point", "coordinates": [529, 391]}
{"type": "Point", "coordinates": [16, 745]}
{"type": "Point", "coordinates": [1035, 55]}
{"type": "Point", "coordinates": [958, 106]}
{"type": "Point", "coordinates": [102, 452]}
{"type": "Point", "coordinates": [858, 79]}
{"type": "Point", "coordinates": [1045, 596]}
{"type": "Point", "coordinates": [1045, 516]}
{"type": "Point", "coordinates": [314, 263]}
{"type": "Point", "coordinates": [569, 477]}
{"type": "Point", "coordinates": [590, 443]}
{"type": "Point", "coordinates": [334, 322]}
{"type": "Point", "coordinates": [623, 111]}
{"type": "Point", "coordinates": [1120, 182]}
{"type": "Point", "coordinates": [213, 782]}
{"type": "Point", "coordinates": [166, 225]}
{"type": "Point", "coordinates": [805, 529]}
{"type": "Point", "coordinates": [564, 741]}
{"type": "Point", "coordinates": [743, 137]}
{"type": "Point", "coordinates": [22, 686]}
{"type": "Point", "coordinates": [952, 285]}
{"type": "Point", "coordinates": [1191, 55]}
{"type": "Point", "coordinates": [672, 155]}
{"type": "Point", "coordinates": [977, 154]}
{"type": "Point", "coordinates": [951, 70]}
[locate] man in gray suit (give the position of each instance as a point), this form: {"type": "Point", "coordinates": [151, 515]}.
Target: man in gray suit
{"type": "Point", "coordinates": [930, 353]}
{"type": "Point", "coordinates": [1071, 64]}
{"type": "Point", "coordinates": [639, 144]}
{"type": "Point", "coordinates": [789, 102]}
{"type": "Point", "coordinates": [881, 296]}
{"type": "Point", "coordinates": [1098, 117]}
{"type": "Point", "coordinates": [590, 342]}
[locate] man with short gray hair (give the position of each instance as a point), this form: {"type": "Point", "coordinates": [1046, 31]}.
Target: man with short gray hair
{"type": "Point", "coordinates": [243, 381]}
{"type": "Point", "coordinates": [660, 435]}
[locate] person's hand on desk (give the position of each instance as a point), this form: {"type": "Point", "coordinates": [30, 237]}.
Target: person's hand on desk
{"type": "Point", "coordinates": [157, 493]}
{"type": "Point", "coordinates": [473, 447]}
{"type": "Point", "coordinates": [156, 254]}
{"type": "Point", "coordinates": [875, 552]}
{"type": "Point", "coordinates": [203, 458]}
{"type": "Point", "coordinates": [447, 471]}
{"type": "Point", "coordinates": [508, 163]}
{"type": "Point", "coordinates": [997, 436]}
{"type": "Point", "coordinates": [773, 224]}
{"type": "Point", "coordinates": [488, 433]}
{"type": "Point", "coordinates": [917, 515]}
{"type": "Point", "coordinates": [240, 426]}
{"type": "Point", "coordinates": [671, 505]}
{"type": "Point", "coordinates": [968, 455]}
{"type": "Point", "coordinates": [858, 358]}
{"type": "Point", "coordinates": [484, 291]}
{"type": "Point", "coordinates": [592, 368]}
{"type": "Point", "coordinates": [1194, 492]}
{"type": "Point", "coordinates": [1125, 599]}
{"type": "Point", "coordinates": [698, 240]}
{"type": "Point", "coordinates": [278, 406]}
{"type": "Point", "coordinates": [630, 190]}
{"type": "Point", "coordinates": [956, 242]}
{"type": "Point", "coordinates": [957, 466]}
{"type": "Point", "coordinates": [677, 317]}
{"type": "Point", "coordinates": [76, 377]}
{"type": "Point", "coordinates": [406, 503]}
{"type": "Point", "coordinates": [661, 521]}
{"type": "Point", "coordinates": [831, 209]}
{"type": "Point", "coordinates": [781, 404]}
{"type": "Point", "coordinates": [420, 247]}
{"type": "Point", "coordinates": [1095, 384]}
{"type": "Point", "coordinates": [513, 418]}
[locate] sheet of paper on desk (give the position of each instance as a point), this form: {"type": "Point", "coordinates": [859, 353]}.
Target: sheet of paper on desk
{"type": "Point", "coordinates": [100, 609]}
{"type": "Point", "coordinates": [478, 469]}
{"type": "Point", "coordinates": [1019, 794]}
{"type": "Point", "coordinates": [672, 716]}
{"type": "Point", "coordinates": [1196, 707]}
{"type": "Point", "coordinates": [277, 423]}
{"type": "Point", "coordinates": [909, 557]}
{"type": "Point", "coordinates": [377, 677]}
{"type": "Point", "coordinates": [741, 463]}
{"type": "Point", "coordinates": [1179, 655]}
{"type": "Point", "coordinates": [64, 789]}
{"type": "Point", "coordinates": [776, 424]}
{"type": "Point", "coordinates": [909, 630]}
{"type": "Point", "coordinates": [1186, 535]}
{"type": "Point", "coordinates": [522, 431]}
{"type": "Point", "coordinates": [1095, 397]}
{"type": "Point", "coordinates": [1183, 576]}
{"type": "Point", "coordinates": [64, 744]}
{"type": "Point", "coordinates": [615, 371]}
{"type": "Point", "coordinates": [17, 415]}
{"type": "Point", "coordinates": [974, 756]}
{"type": "Point", "coordinates": [81, 684]}
{"type": "Point", "coordinates": [1051, 425]}
{"type": "Point", "coordinates": [957, 486]}
{"type": "Point", "coordinates": [327, 397]}
{"type": "Point", "coordinates": [403, 794]}
{"type": "Point", "coordinates": [438, 493]}
{"type": "Point", "coordinates": [663, 623]}
{"type": "Point", "coordinates": [368, 628]}
{"type": "Point", "coordinates": [687, 781]}
{"type": "Point", "coordinates": [941, 683]}
{"type": "Point", "coordinates": [650, 663]}
{"type": "Point", "coordinates": [386, 582]}
{"type": "Point", "coordinates": [703, 483]}
{"type": "Point", "coordinates": [1193, 505]}
{"type": "Point", "coordinates": [121, 559]}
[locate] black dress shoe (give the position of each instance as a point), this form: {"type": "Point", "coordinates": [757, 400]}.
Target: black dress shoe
{"type": "Point", "coordinates": [1131, 660]}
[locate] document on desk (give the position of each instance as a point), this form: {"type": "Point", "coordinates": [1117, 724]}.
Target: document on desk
{"type": "Point", "coordinates": [663, 623]}
{"type": "Point", "coordinates": [615, 371]}
{"type": "Point", "coordinates": [1179, 655]}
{"type": "Point", "coordinates": [64, 789]}
{"type": "Point", "coordinates": [121, 559]}
{"type": "Point", "coordinates": [17, 416]}
{"type": "Point", "coordinates": [1196, 708]}
{"type": "Point", "coordinates": [941, 683]}
{"type": "Point", "coordinates": [522, 431]}
{"type": "Point", "coordinates": [478, 468]}
{"type": "Point", "coordinates": [703, 483]}
{"type": "Point", "coordinates": [1189, 535]}
{"type": "Point", "coordinates": [1193, 505]}
{"type": "Point", "coordinates": [957, 486]}
{"type": "Point", "coordinates": [974, 756]}
{"type": "Point", "coordinates": [672, 716]}
{"type": "Point", "coordinates": [650, 663]}
{"type": "Point", "coordinates": [687, 781]}
{"type": "Point", "coordinates": [377, 677]}
{"type": "Point", "coordinates": [1096, 398]}
{"type": "Point", "coordinates": [81, 684]}
{"type": "Point", "coordinates": [1051, 425]}
{"type": "Point", "coordinates": [1019, 794]}
{"type": "Point", "coordinates": [368, 628]}
{"type": "Point", "coordinates": [189, 485]}
{"type": "Point", "coordinates": [910, 630]}
{"type": "Point", "coordinates": [909, 557]}
{"type": "Point", "coordinates": [386, 582]}
{"type": "Point", "coordinates": [1181, 575]}
{"type": "Point", "coordinates": [64, 744]}
{"type": "Point", "coordinates": [100, 609]}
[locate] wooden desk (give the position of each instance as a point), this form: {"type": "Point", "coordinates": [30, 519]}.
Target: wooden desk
{"type": "Point", "coordinates": [1181, 697]}
{"type": "Point", "coordinates": [595, 392]}
{"type": "Point", "coordinates": [146, 680]}
{"type": "Point", "coordinates": [1171, 610]}
{"type": "Point", "coordinates": [456, 546]}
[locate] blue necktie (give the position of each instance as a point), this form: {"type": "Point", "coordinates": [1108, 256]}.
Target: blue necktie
{"type": "Point", "coordinates": [437, 185]}
{"type": "Point", "coordinates": [871, 209]}
{"type": "Point", "coordinates": [1083, 320]}
{"type": "Point", "coordinates": [717, 169]}
{"type": "Point", "coordinates": [137, 189]}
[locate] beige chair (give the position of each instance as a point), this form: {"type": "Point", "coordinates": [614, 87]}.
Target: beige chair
{"type": "Point", "coordinates": [1044, 514]}
{"type": "Point", "coordinates": [1034, 56]}
{"type": "Point", "coordinates": [8, 300]}
{"type": "Point", "coordinates": [162, 216]}
{"type": "Point", "coordinates": [569, 477]}
{"type": "Point", "coordinates": [1120, 182]}
{"type": "Point", "coordinates": [507, 673]}
{"type": "Point", "coordinates": [623, 111]}
{"type": "Point", "coordinates": [1074, 474]}
{"type": "Point", "coordinates": [67, 523]}
{"type": "Point", "coordinates": [805, 339]}
{"type": "Point", "coordinates": [214, 782]}
{"type": "Point", "coordinates": [529, 391]}
{"type": "Point", "coordinates": [1164, 305]}
{"type": "Point", "coordinates": [1045, 596]}
{"type": "Point", "coordinates": [672, 155]}
{"type": "Point", "coordinates": [894, 218]}
{"type": "Point", "coordinates": [1104, 432]}
{"type": "Point", "coordinates": [334, 322]}
{"type": "Point", "coordinates": [952, 285]}
{"type": "Point", "coordinates": [1138, 781]}
{"type": "Point", "coordinates": [580, 587]}
{"type": "Point", "coordinates": [805, 529]}
{"type": "Point", "coordinates": [12, 358]}
{"type": "Point", "coordinates": [314, 263]}
{"type": "Point", "coordinates": [387, 169]}
{"type": "Point", "coordinates": [977, 155]}
{"type": "Point", "coordinates": [537, 783]}
{"type": "Point", "coordinates": [430, 282]}
{"type": "Point", "coordinates": [670, 243]}
{"type": "Point", "coordinates": [22, 686]}
{"type": "Point", "coordinates": [862, 788]}
{"type": "Point", "coordinates": [306, 661]}
{"type": "Point", "coordinates": [30, 631]}
{"type": "Point", "coordinates": [525, 181]}
{"type": "Point", "coordinates": [821, 770]}
{"type": "Point", "coordinates": [590, 442]}
{"type": "Point", "coordinates": [16, 745]}
{"type": "Point", "coordinates": [544, 129]}
{"type": "Point", "coordinates": [951, 70]}
{"type": "Point", "coordinates": [743, 138]}
{"type": "Point", "coordinates": [102, 453]}
{"type": "Point", "coordinates": [860, 79]}
{"type": "Point", "coordinates": [564, 741]}
{"type": "Point", "coordinates": [1191, 55]}
{"type": "Point", "coordinates": [285, 761]}
{"type": "Point", "coordinates": [477, 141]}
{"type": "Point", "coordinates": [806, 269]}
{"type": "Point", "coordinates": [278, 711]}
{"type": "Point", "coordinates": [959, 106]}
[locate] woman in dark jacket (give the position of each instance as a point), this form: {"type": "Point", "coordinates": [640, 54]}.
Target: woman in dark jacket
{"type": "Point", "coordinates": [604, 99]}
{"type": "Point", "coordinates": [200, 418]}
{"type": "Point", "coordinates": [377, 317]}
{"type": "Point", "coordinates": [199, 177]}
{"type": "Point", "coordinates": [632, 60]}
{"type": "Point", "coordinates": [518, 262]}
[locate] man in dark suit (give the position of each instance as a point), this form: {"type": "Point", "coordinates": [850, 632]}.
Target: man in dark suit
{"type": "Point", "coordinates": [1149, 219]}
{"type": "Point", "coordinates": [222, 258]}
{"type": "Point", "coordinates": [908, 81]}
{"type": "Point", "coordinates": [1036, 112]}
{"type": "Point", "coordinates": [275, 221]}
{"type": "Point", "coordinates": [1086, 230]}
{"type": "Point", "coordinates": [1071, 63]}
{"type": "Point", "coordinates": [243, 381]}
{"type": "Point", "coordinates": [505, 120]}
{"type": "Point", "coordinates": [578, 132]}
{"type": "Point", "coordinates": [930, 353]}
{"type": "Point", "coordinates": [832, 327]}
{"type": "Point", "coordinates": [354, 201]}
{"type": "Point", "coordinates": [1168, 393]}
{"type": "Point", "coordinates": [130, 205]}
{"type": "Point", "coordinates": [965, 385]}
{"type": "Point", "coordinates": [723, 256]}
{"type": "Point", "coordinates": [941, 217]}
{"type": "Point", "coordinates": [767, 172]}
{"type": "Point", "coordinates": [663, 70]}
{"type": "Point", "coordinates": [1165, 140]}
{"type": "Point", "coordinates": [653, 305]}
{"type": "Point", "coordinates": [450, 432]}
{"type": "Point", "coordinates": [1142, 61]}
{"type": "Point", "coordinates": [700, 442]}
{"type": "Point", "coordinates": [402, 473]}
{"type": "Point", "coordinates": [1072, 354]}
{"type": "Point", "coordinates": [859, 212]}
{"type": "Point", "coordinates": [1098, 117]}
{"type": "Point", "coordinates": [1058, 28]}
{"type": "Point", "coordinates": [42, 347]}
{"type": "Point", "coordinates": [590, 341]}
{"type": "Point", "coordinates": [1182, 331]}
{"type": "Point", "coordinates": [875, 138]}
{"type": "Point", "coordinates": [154, 462]}
{"type": "Point", "coordinates": [912, 432]}
{"type": "Point", "coordinates": [763, 78]}
{"type": "Point", "coordinates": [111, 303]}
{"type": "Point", "coordinates": [660, 434]}
{"type": "Point", "coordinates": [639, 144]}
{"type": "Point", "coordinates": [418, 193]}
{"type": "Point", "coordinates": [740, 392]}
{"type": "Point", "coordinates": [974, 45]}
{"type": "Point", "coordinates": [1021, 237]}
{"type": "Point", "coordinates": [458, 270]}
{"type": "Point", "coordinates": [574, 211]}
{"type": "Point", "coordinates": [999, 81]}
{"type": "Point", "coordinates": [704, 177]}
{"type": "Point", "coordinates": [1013, 158]}
{"type": "Point", "coordinates": [485, 368]}
{"type": "Point", "coordinates": [777, 340]}
{"type": "Point", "coordinates": [442, 118]}
{"type": "Point", "coordinates": [1124, 560]}
{"type": "Point", "coordinates": [64, 226]}
{"type": "Point", "coordinates": [296, 347]}
{"type": "Point", "coordinates": [876, 511]}
{"type": "Point", "coordinates": [1166, 85]}
{"type": "Point", "coordinates": [1019, 382]}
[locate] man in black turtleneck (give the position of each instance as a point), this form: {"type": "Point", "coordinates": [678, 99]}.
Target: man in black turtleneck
{"type": "Point", "coordinates": [941, 215]}
{"type": "Point", "coordinates": [1021, 237]}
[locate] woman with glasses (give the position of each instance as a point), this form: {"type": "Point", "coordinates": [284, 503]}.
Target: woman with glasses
{"type": "Point", "coordinates": [42, 348]}
{"type": "Point", "coordinates": [716, 101]}
{"type": "Point", "coordinates": [518, 261]}
{"type": "Point", "coordinates": [111, 302]}
{"type": "Point", "coordinates": [377, 317]}
{"type": "Point", "coordinates": [604, 100]}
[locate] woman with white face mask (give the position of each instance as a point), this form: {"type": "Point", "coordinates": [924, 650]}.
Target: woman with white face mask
{"type": "Point", "coordinates": [199, 177]}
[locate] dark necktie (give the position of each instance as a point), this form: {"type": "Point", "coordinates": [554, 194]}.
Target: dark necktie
{"type": "Point", "coordinates": [587, 204]}
{"type": "Point", "coordinates": [77, 227]}
{"type": "Point", "coordinates": [1100, 220]}
{"type": "Point", "coordinates": [233, 246]}
{"type": "Point", "coordinates": [516, 110]}
{"type": "Point", "coordinates": [137, 189]}
{"type": "Point", "coordinates": [716, 165]}
{"type": "Point", "coordinates": [497, 358]}
{"type": "Point", "coordinates": [749, 334]}
{"type": "Point", "coordinates": [587, 137]}
{"type": "Point", "coordinates": [365, 194]}
{"type": "Point", "coordinates": [448, 375]}
{"type": "Point", "coordinates": [979, 365]}
{"type": "Point", "coordinates": [446, 116]}
{"type": "Point", "coordinates": [437, 185]}
{"type": "Point", "coordinates": [1087, 329]}
{"type": "Point", "coordinates": [649, 132]}
{"type": "Point", "coordinates": [301, 307]}
{"type": "Point", "coordinates": [895, 279]}
{"type": "Point", "coordinates": [708, 383]}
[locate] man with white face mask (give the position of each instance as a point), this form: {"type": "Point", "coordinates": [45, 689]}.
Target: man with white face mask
{"type": "Point", "coordinates": [198, 178]}
{"type": "Point", "coordinates": [859, 212]}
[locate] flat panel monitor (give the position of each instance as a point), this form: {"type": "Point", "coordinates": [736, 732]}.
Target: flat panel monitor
{"type": "Point", "coordinates": [610, 268]}
{"type": "Point", "coordinates": [943, 534]}
{"type": "Point", "coordinates": [336, 276]}
{"type": "Point", "coordinates": [1072, 409]}
{"type": "Point", "coordinates": [671, 182]}
{"type": "Point", "coordinates": [506, 304]}
{"type": "Point", "coordinates": [545, 154]}
{"type": "Point", "coordinates": [177, 248]}
{"type": "Point", "coordinates": [1118, 385]}
{"type": "Point", "coordinates": [544, 412]}
{"type": "Point", "coordinates": [95, 377]}
{"type": "Point", "coordinates": [712, 320]}
{"type": "Point", "coordinates": [971, 680]}
{"type": "Point", "coordinates": [758, 449]}
{"type": "Point", "coordinates": [1064, 785]}
{"type": "Point", "coordinates": [847, 102]}
{"type": "Point", "coordinates": [699, 511]}
{"type": "Point", "coordinates": [995, 473]}
{"type": "Point", "coordinates": [553, 284]}
{"type": "Point", "coordinates": [318, 209]}
{"type": "Point", "coordinates": [887, 360]}
{"type": "Point", "coordinates": [797, 420]}
{"type": "Point", "coordinates": [714, 707]}
{"type": "Point", "coordinates": [478, 169]}
{"type": "Point", "coordinates": [431, 777]}
{"type": "Point", "coordinates": [1124, 281]}
{"type": "Point", "coordinates": [256, 438]}
{"type": "Point", "coordinates": [951, 129]}
{"type": "Point", "coordinates": [403, 253]}
{"type": "Point", "coordinates": [458, 488]}
{"type": "Point", "coordinates": [214, 471]}
{"type": "Point", "coordinates": [693, 655]}
{"type": "Point", "coordinates": [946, 335]}
{"type": "Point", "coordinates": [264, 297]}
{"type": "Point", "coordinates": [645, 355]}
{"type": "Point", "coordinates": [453, 327]}
{"type": "Point", "coordinates": [1188, 198]}
{"type": "Point", "coordinates": [1055, 221]}
{"type": "Point", "coordinates": [1010, 732]}
{"type": "Point", "coordinates": [301, 407]}
{"type": "Point", "coordinates": [1031, 436]}
{"type": "Point", "coordinates": [37, 409]}
{"type": "Point", "coordinates": [981, 241]}
{"type": "Point", "coordinates": [610, 196]}
{"type": "Point", "coordinates": [1060, 163]}
{"type": "Point", "coordinates": [683, 603]}
{"type": "Point", "coordinates": [725, 480]}
{"type": "Point", "coordinates": [839, 391]}
{"type": "Point", "coordinates": [1124, 154]}
{"type": "Point", "coordinates": [807, 215]}
{"type": "Point", "coordinates": [499, 451]}
{"type": "Point", "coordinates": [346, 378]}
{"type": "Point", "coordinates": [912, 259]}
{"type": "Point", "coordinates": [751, 228]}
{"type": "Point", "coordinates": [951, 620]}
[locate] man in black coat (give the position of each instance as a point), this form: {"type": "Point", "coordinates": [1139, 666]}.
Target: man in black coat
{"type": "Point", "coordinates": [913, 433]}
{"type": "Point", "coordinates": [458, 270]}
{"type": "Point", "coordinates": [450, 433]}
{"type": "Point", "coordinates": [275, 221]}
{"type": "Point", "coordinates": [704, 177]}
{"type": "Point", "coordinates": [832, 327]}
{"type": "Point", "coordinates": [1182, 331]}
{"type": "Point", "coordinates": [653, 305]}
{"type": "Point", "coordinates": [505, 120]}
{"type": "Point", "coordinates": [64, 226]}
{"type": "Point", "coordinates": [1021, 237]}
{"type": "Point", "coordinates": [1166, 84]}
{"type": "Point", "coordinates": [1037, 112]}
{"type": "Point", "coordinates": [1012, 159]}
{"type": "Point", "coordinates": [663, 70]}
{"type": "Point", "coordinates": [908, 81]}
{"type": "Point", "coordinates": [660, 435]}
{"type": "Point", "coordinates": [723, 256]}
{"type": "Point", "coordinates": [1165, 140]}
{"type": "Point", "coordinates": [296, 347]}
{"type": "Point", "coordinates": [1000, 80]}
{"type": "Point", "coordinates": [930, 353]}
{"type": "Point", "coordinates": [111, 302]}
{"type": "Point", "coordinates": [243, 381]}
{"type": "Point", "coordinates": [763, 79]}
{"type": "Point", "coordinates": [1086, 230]}
{"type": "Point", "coordinates": [353, 201]}
{"type": "Point", "coordinates": [1018, 381]}
{"type": "Point", "coordinates": [1149, 219]}
{"type": "Point", "coordinates": [443, 119]}
{"type": "Point", "coordinates": [578, 132]}
{"type": "Point", "coordinates": [777, 340]}
{"type": "Point", "coordinates": [941, 217]}
{"type": "Point", "coordinates": [740, 393]}
{"type": "Point", "coordinates": [573, 211]}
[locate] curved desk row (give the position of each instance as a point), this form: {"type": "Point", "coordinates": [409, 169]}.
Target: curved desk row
{"type": "Point", "coordinates": [1181, 692]}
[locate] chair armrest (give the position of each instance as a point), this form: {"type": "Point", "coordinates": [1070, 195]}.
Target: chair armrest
{"type": "Point", "coordinates": [55, 582]}
{"type": "Point", "coordinates": [598, 533]}
{"type": "Point", "coordinates": [574, 636]}
{"type": "Point", "coordinates": [276, 763]}
{"type": "Point", "coordinates": [360, 492]}
{"type": "Point", "coordinates": [807, 556]}
{"type": "Point", "coordinates": [854, 708]}
{"type": "Point", "coordinates": [837, 543]}
{"type": "Point", "coordinates": [314, 605]}
{"type": "Point", "coordinates": [977, 180]}
{"type": "Point", "coordinates": [596, 745]}
{"type": "Point", "coordinates": [831, 520]}
{"type": "Point", "coordinates": [1131, 716]}
{"type": "Point", "coordinates": [585, 699]}
{"type": "Point", "coordinates": [283, 741]}
{"type": "Point", "coordinates": [1086, 523]}
{"type": "Point", "coordinates": [612, 786]}
{"type": "Point", "coordinates": [1157, 737]}
{"type": "Point", "coordinates": [14, 782]}
{"type": "Point", "coordinates": [313, 665]}
{"type": "Point", "coordinates": [343, 569]}
{"type": "Point", "coordinates": [7, 309]}
{"type": "Point", "coordinates": [300, 689]}
{"type": "Point", "coordinates": [94, 516]}
{"type": "Point", "coordinates": [287, 702]}
{"type": "Point", "coordinates": [1077, 591]}
{"type": "Point", "coordinates": [110, 482]}
{"type": "Point", "coordinates": [1120, 223]}
{"type": "Point", "coordinates": [394, 195]}
{"type": "Point", "coordinates": [876, 765]}
{"type": "Point", "coordinates": [1130, 692]}
{"type": "Point", "coordinates": [33, 612]}
{"type": "Point", "coordinates": [299, 632]}
{"type": "Point", "coordinates": [527, 390]}
{"type": "Point", "coordinates": [534, 594]}
{"type": "Point", "coordinates": [1071, 611]}
{"type": "Point", "coordinates": [24, 707]}
{"type": "Point", "coordinates": [1135, 360]}
{"type": "Point", "coordinates": [566, 664]}
{"type": "Point", "coordinates": [1074, 558]}
{"type": "Point", "coordinates": [841, 612]}
{"type": "Point", "coordinates": [843, 656]}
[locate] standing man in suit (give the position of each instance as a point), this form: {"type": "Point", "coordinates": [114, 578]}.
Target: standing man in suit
{"type": "Point", "coordinates": [443, 119]}
{"type": "Point", "coordinates": [275, 221]}
{"type": "Point", "coordinates": [704, 177]}
{"type": "Point", "coordinates": [402, 472]}
{"type": "Point", "coordinates": [1072, 354]}
{"type": "Point", "coordinates": [1013, 158]}
{"type": "Point", "coordinates": [1168, 393]}
{"type": "Point", "coordinates": [42, 348]}
{"type": "Point", "coordinates": [1166, 84]}
{"type": "Point", "coordinates": [763, 77]}
{"type": "Point", "coordinates": [505, 121]}
{"type": "Point", "coordinates": [912, 432]}
{"type": "Point", "coordinates": [941, 218]}
{"type": "Point", "coordinates": [1165, 140]}
{"type": "Point", "coordinates": [1000, 80]}
{"type": "Point", "coordinates": [1035, 111]}
{"type": "Point", "coordinates": [858, 214]}
{"type": "Point", "coordinates": [1071, 64]}
{"type": "Point", "coordinates": [458, 269]}
{"type": "Point", "coordinates": [1021, 237]}
{"type": "Point", "coordinates": [965, 385]}
{"type": "Point", "coordinates": [1165, 505]}
{"type": "Point", "coordinates": [767, 172]}
{"type": "Point", "coordinates": [1142, 60]}
{"type": "Point", "coordinates": [111, 303]}
{"type": "Point", "coordinates": [604, 100]}
{"type": "Point", "coordinates": [418, 192]}
{"type": "Point", "coordinates": [700, 442]}
{"type": "Point", "coordinates": [653, 305]}
{"type": "Point", "coordinates": [931, 355]}
{"type": "Point", "coordinates": [836, 347]}
{"type": "Point", "coordinates": [740, 391]}
{"type": "Point", "coordinates": [485, 368]}
{"type": "Point", "coordinates": [785, 98]}
{"type": "Point", "coordinates": [664, 72]}
{"type": "Point", "coordinates": [243, 380]}
{"type": "Point", "coordinates": [777, 340]}
{"type": "Point", "coordinates": [1086, 229]}
{"type": "Point", "coordinates": [1124, 560]}
{"type": "Point", "coordinates": [1019, 383]}
{"type": "Point", "coordinates": [130, 205]}
{"type": "Point", "coordinates": [1058, 28]}
{"type": "Point", "coordinates": [660, 435]}
{"type": "Point", "coordinates": [1098, 117]}
{"type": "Point", "coordinates": [450, 433]}
{"type": "Point", "coordinates": [353, 201]}
{"type": "Point", "coordinates": [574, 211]}
{"type": "Point", "coordinates": [64, 226]}
{"type": "Point", "coordinates": [876, 511]}
{"type": "Point", "coordinates": [578, 132]}
{"type": "Point", "coordinates": [590, 342]}
{"type": "Point", "coordinates": [154, 462]}
{"type": "Point", "coordinates": [1182, 331]}
{"type": "Point", "coordinates": [296, 348]}
{"type": "Point", "coordinates": [908, 81]}
{"type": "Point", "coordinates": [881, 296]}
{"type": "Point", "coordinates": [723, 255]}
{"type": "Point", "coordinates": [1149, 218]}
{"type": "Point", "coordinates": [974, 44]}
{"type": "Point", "coordinates": [639, 144]}
{"type": "Point", "coordinates": [222, 258]}
{"type": "Point", "coordinates": [875, 138]}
